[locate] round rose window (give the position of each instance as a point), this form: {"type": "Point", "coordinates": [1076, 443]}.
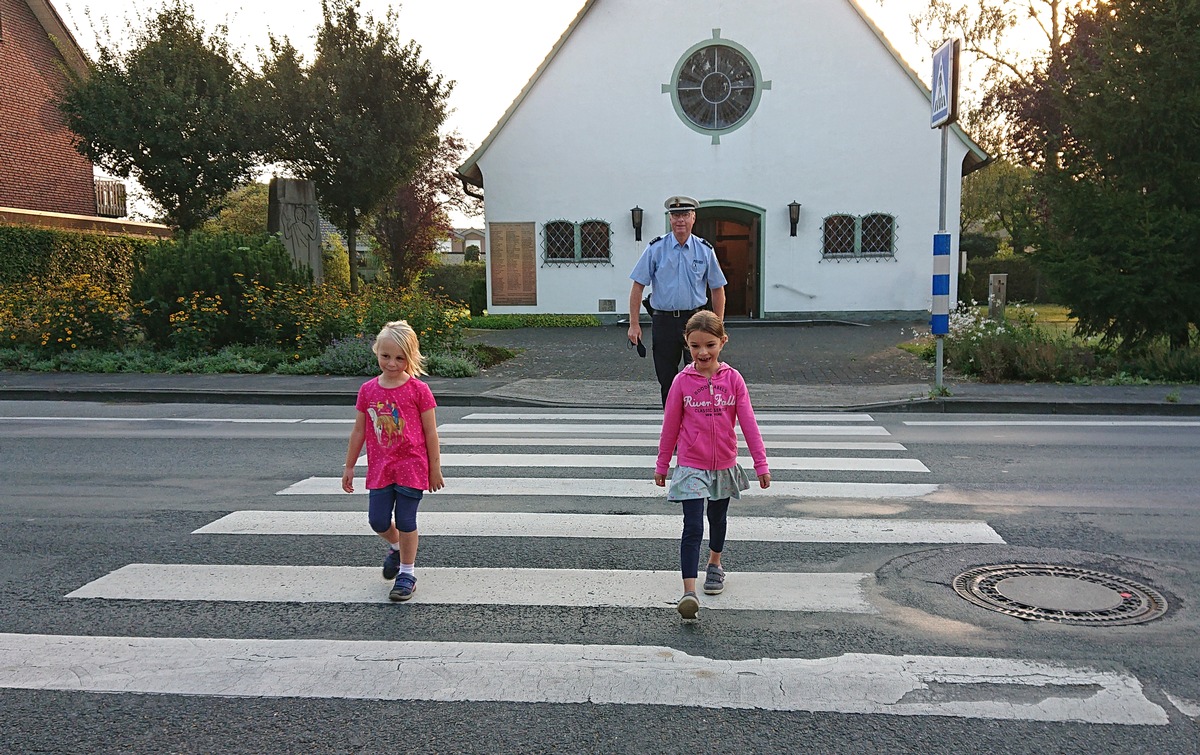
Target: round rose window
{"type": "Point", "coordinates": [716, 87]}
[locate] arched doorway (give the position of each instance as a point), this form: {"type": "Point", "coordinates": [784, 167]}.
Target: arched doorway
{"type": "Point", "coordinates": [734, 233]}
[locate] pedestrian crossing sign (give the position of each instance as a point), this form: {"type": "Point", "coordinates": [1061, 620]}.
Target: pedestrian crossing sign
{"type": "Point", "coordinates": [944, 99]}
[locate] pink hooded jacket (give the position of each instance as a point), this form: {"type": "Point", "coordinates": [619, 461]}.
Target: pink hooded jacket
{"type": "Point", "coordinates": [699, 419]}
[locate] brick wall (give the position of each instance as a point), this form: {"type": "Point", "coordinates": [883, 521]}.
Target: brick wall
{"type": "Point", "coordinates": [39, 167]}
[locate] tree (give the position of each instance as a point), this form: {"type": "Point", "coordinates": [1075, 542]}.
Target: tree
{"type": "Point", "coordinates": [243, 211]}
{"type": "Point", "coordinates": [172, 112]}
{"type": "Point", "coordinates": [409, 226]}
{"type": "Point", "coordinates": [991, 31]}
{"type": "Point", "coordinates": [1001, 199]}
{"type": "Point", "coordinates": [358, 121]}
{"type": "Point", "coordinates": [1122, 189]}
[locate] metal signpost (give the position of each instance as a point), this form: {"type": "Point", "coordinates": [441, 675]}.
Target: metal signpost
{"type": "Point", "coordinates": [944, 111]}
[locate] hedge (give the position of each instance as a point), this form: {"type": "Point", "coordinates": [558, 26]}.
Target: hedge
{"type": "Point", "coordinates": [1025, 282]}
{"type": "Point", "coordinates": [56, 256]}
{"type": "Point", "coordinates": [454, 280]}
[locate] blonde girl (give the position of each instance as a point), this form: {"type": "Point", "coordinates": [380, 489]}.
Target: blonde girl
{"type": "Point", "coordinates": [403, 455]}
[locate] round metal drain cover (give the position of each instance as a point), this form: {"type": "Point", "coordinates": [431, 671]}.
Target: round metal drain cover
{"type": "Point", "coordinates": [1063, 594]}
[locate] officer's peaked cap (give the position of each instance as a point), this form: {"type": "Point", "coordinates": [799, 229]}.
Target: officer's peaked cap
{"type": "Point", "coordinates": [681, 204]}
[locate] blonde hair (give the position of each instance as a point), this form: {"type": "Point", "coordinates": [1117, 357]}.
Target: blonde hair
{"type": "Point", "coordinates": [705, 322]}
{"type": "Point", "coordinates": [400, 332]}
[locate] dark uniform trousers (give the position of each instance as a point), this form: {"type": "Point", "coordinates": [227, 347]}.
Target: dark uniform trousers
{"type": "Point", "coordinates": [669, 345]}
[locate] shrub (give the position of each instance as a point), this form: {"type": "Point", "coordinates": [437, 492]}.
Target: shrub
{"type": "Point", "coordinates": [477, 301]}
{"type": "Point", "coordinates": [57, 256]}
{"type": "Point", "coordinates": [1162, 363]}
{"type": "Point", "coordinates": [457, 365]}
{"type": "Point", "coordinates": [310, 366]}
{"type": "Point", "coordinates": [225, 360]}
{"type": "Point", "coordinates": [86, 360]}
{"type": "Point", "coordinates": [17, 359]}
{"type": "Point", "coordinates": [455, 282]}
{"type": "Point", "coordinates": [300, 319]}
{"type": "Point", "coordinates": [335, 262]}
{"type": "Point", "coordinates": [349, 356]}
{"type": "Point", "coordinates": [977, 245]}
{"type": "Point", "coordinates": [62, 315]}
{"type": "Point", "coordinates": [200, 271]}
{"type": "Point", "coordinates": [1025, 282]}
{"type": "Point", "coordinates": [508, 322]}
{"type": "Point", "coordinates": [1014, 349]}
{"type": "Point", "coordinates": [966, 286]}
{"type": "Point", "coordinates": [93, 360]}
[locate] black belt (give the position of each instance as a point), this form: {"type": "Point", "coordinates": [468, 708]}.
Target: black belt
{"type": "Point", "coordinates": [677, 312]}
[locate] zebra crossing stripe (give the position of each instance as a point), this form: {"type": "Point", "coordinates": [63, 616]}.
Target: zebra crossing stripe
{"type": "Point", "coordinates": [610, 488]}
{"type": "Point", "coordinates": [859, 683]}
{"type": "Point", "coordinates": [650, 416]}
{"type": "Point", "coordinates": [748, 591]}
{"type": "Point", "coordinates": [614, 526]}
{"type": "Point", "coordinates": [593, 429]}
{"type": "Point", "coordinates": [626, 461]}
{"type": "Point", "coordinates": [1057, 423]}
{"type": "Point", "coordinates": [776, 445]}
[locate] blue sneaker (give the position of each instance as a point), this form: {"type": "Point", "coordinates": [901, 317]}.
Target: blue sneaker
{"type": "Point", "coordinates": [391, 564]}
{"type": "Point", "coordinates": [406, 585]}
{"type": "Point", "coordinates": [714, 580]}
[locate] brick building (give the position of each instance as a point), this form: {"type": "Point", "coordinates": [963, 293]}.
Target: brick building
{"type": "Point", "coordinates": [40, 169]}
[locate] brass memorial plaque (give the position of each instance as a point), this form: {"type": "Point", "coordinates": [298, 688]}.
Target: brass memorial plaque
{"type": "Point", "coordinates": [513, 252]}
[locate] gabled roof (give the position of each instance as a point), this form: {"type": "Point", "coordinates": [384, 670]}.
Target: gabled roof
{"type": "Point", "coordinates": [469, 171]}
{"type": "Point", "coordinates": [60, 35]}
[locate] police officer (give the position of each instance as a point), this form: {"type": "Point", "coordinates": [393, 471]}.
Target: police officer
{"type": "Point", "coordinates": [679, 268]}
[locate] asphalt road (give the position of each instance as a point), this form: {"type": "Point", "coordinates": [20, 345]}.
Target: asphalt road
{"type": "Point", "coordinates": [89, 489]}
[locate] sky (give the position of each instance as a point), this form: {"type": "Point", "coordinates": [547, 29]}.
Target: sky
{"type": "Point", "coordinates": [489, 48]}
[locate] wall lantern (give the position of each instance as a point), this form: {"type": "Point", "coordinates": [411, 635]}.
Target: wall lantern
{"type": "Point", "coordinates": [794, 215]}
{"type": "Point", "coordinates": [636, 215]}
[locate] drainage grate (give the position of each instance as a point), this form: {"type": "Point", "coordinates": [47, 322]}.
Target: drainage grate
{"type": "Point", "coordinates": [1062, 594]}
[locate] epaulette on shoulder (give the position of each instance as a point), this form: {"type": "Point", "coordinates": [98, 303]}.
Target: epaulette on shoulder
{"type": "Point", "coordinates": [657, 239]}
{"type": "Point", "coordinates": [705, 242]}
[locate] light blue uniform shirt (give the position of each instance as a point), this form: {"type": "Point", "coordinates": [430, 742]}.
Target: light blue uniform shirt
{"type": "Point", "coordinates": [678, 274]}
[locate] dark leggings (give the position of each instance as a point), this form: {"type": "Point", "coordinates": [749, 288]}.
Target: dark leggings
{"type": "Point", "coordinates": [383, 501]}
{"type": "Point", "coordinates": [693, 532]}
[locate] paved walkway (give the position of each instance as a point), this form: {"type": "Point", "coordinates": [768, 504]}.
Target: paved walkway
{"type": "Point", "coordinates": [838, 366]}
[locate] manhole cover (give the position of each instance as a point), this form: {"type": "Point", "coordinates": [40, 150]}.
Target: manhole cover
{"type": "Point", "coordinates": [1064, 594]}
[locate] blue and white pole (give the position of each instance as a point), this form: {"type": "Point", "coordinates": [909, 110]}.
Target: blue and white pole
{"type": "Point", "coordinates": [944, 111]}
{"type": "Point", "coordinates": [939, 323]}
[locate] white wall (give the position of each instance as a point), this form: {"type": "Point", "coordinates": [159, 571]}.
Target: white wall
{"type": "Point", "coordinates": [842, 129]}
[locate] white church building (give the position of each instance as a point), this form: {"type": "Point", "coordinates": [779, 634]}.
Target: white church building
{"type": "Point", "coordinates": [795, 123]}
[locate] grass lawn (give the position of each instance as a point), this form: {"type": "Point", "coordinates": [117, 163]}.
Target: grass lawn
{"type": "Point", "coordinates": [1051, 318]}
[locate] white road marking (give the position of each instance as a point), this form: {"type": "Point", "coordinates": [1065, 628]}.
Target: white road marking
{"type": "Point", "coordinates": [1055, 423]}
{"type": "Point", "coordinates": [860, 683]}
{"type": "Point", "coordinates": [615, 526]}
{"type": "Point", "coordinates": [625, 461]}
{"type": "Point", "coordinates": [73, 420]}
{"type": "Point", "coordinates": [1189, 708]}
{"type": "Point", "coordinates": [755, 591]}
{"type": "Point", "coordinates": [589, 430]}
{"type": "Point", "coordinates": [774, 445]}
{"type": "Point", "coordinates": [610, 488]}
{"type": "Point", "coordinates": [648, 415]}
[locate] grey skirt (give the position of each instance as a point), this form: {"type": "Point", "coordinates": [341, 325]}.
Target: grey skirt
{"type": "Point", "coordinates": [688, 483]}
